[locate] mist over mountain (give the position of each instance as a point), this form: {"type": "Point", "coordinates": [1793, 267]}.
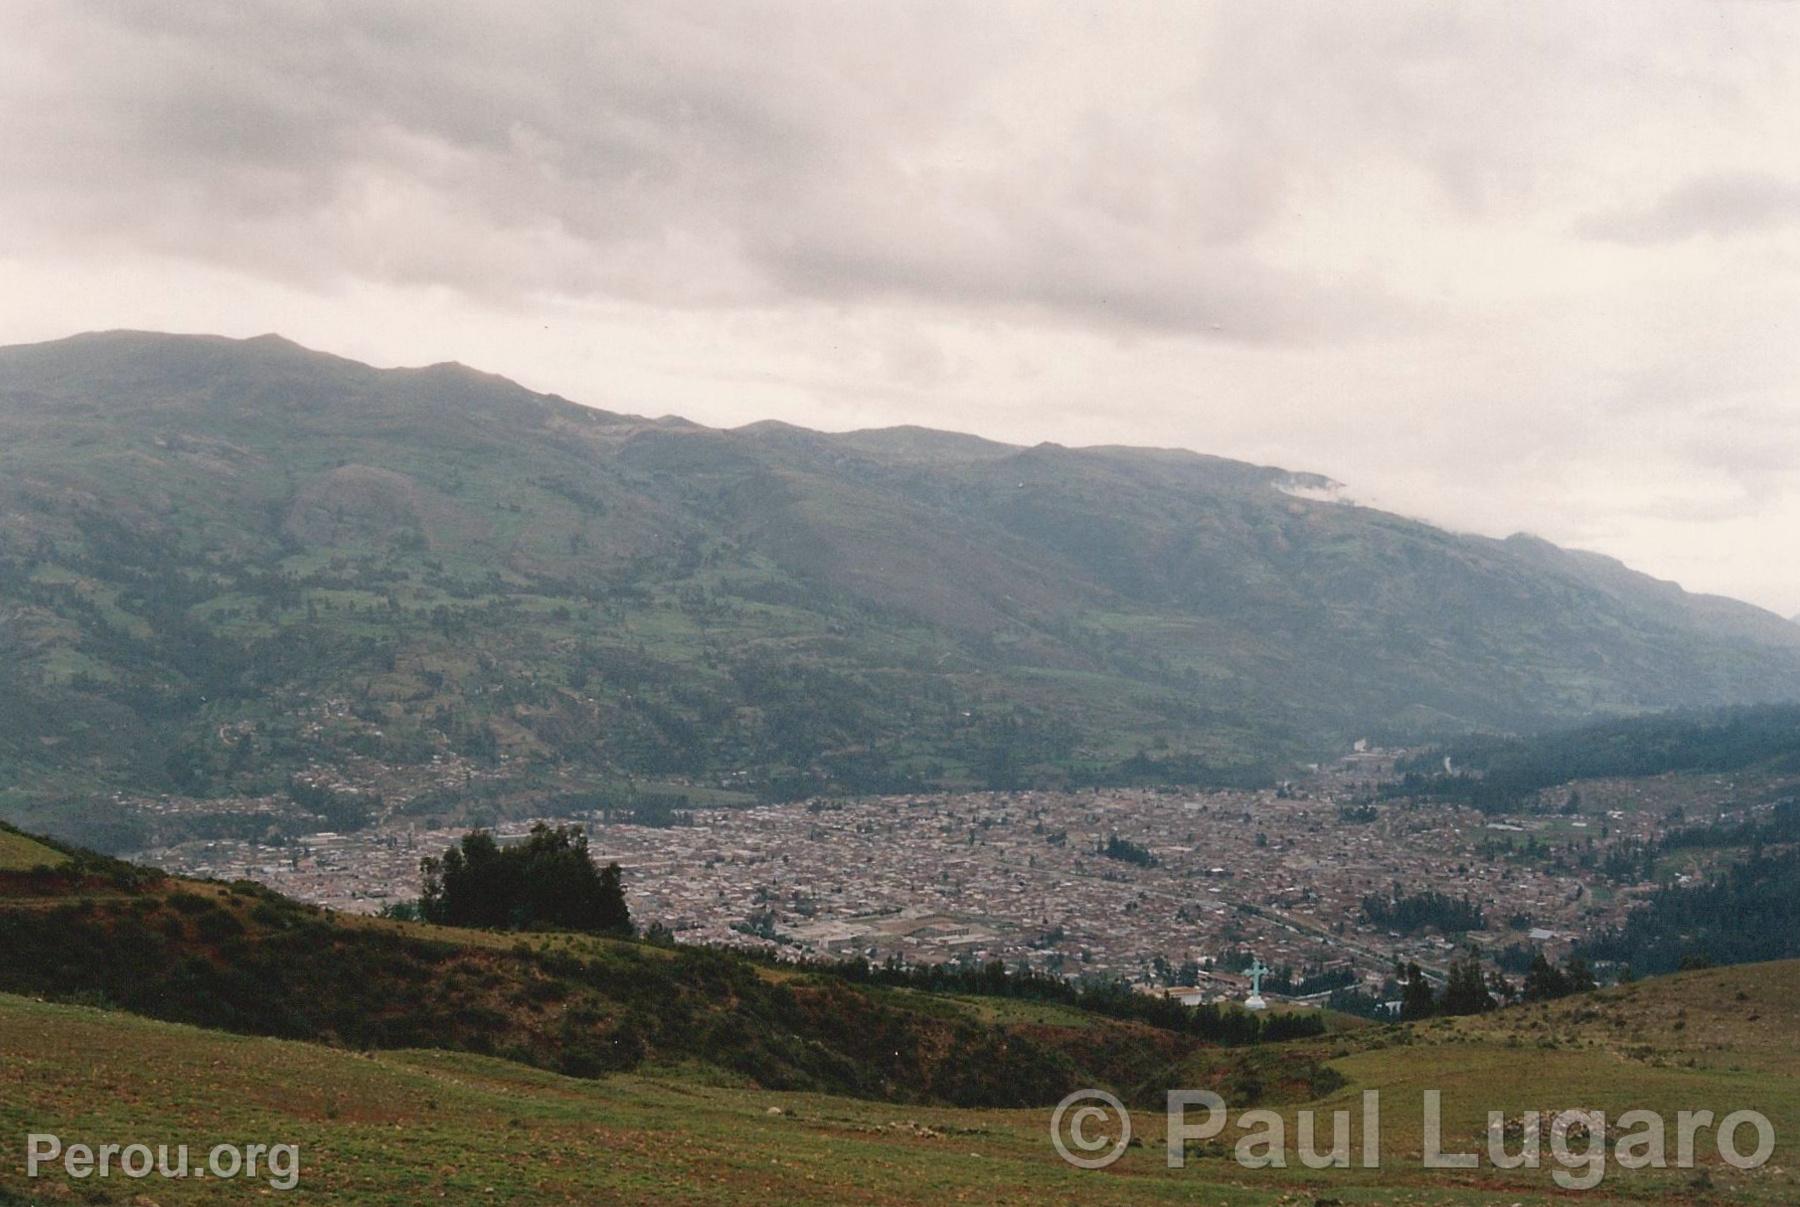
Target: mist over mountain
{"type": "Point", "coordinates": [222, 561]}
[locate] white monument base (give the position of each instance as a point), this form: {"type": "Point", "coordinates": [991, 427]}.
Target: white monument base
{"type": "Point", "coordinates": [1255, 1002]}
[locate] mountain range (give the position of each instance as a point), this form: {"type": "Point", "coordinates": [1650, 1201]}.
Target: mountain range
{"type": "Point", "coordinates": [227, 563]}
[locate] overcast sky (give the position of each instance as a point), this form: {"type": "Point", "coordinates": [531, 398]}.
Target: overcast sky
{"type": "Point", "coordinates": [1502, 266]}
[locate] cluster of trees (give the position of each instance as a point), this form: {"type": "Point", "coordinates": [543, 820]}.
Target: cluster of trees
{"type": "Point", "coordinates": [1409, 912]}
{"type": "Point", "coordinates": [547, 882]}
{"type": "Point", "coordinates": [1632, 862]}
{"type": "Point", "coordinates": [1353, 999]}
{"type": "Point", "coordinates": [1782, 825]}
{"type": "Point", "coordinates": [1746, 913]}
{"type": "Point", "coordinates": [1127, 851]}
{"type": "Point", "coordinates": [1500, 774]}
{"type": "Point", "coordinates": [1468, 989]}
{"type": "Point", "coordinates": [1545, 982]}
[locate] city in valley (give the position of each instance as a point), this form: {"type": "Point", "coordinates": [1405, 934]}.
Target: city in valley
{"type": "Point", "coordinates": [1169, 889]}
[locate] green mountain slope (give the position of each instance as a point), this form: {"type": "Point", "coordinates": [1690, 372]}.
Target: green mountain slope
{"type": "Point", "coordinates": [222, 562]}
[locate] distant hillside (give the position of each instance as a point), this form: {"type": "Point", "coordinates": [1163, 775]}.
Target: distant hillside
{"type": "Point", "coordinates": [224, 562]}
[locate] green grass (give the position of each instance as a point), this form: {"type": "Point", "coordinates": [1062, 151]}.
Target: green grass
{"type": "Point", "coordinates": [20, 854]}
{"type": "Point", "coordinates": [410, 1126]}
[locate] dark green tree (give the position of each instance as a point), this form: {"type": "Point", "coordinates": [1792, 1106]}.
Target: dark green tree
{"type": "Point", "coordinates": [1543, 982]}
{"type": "Point", "coordinates": [1466, 991]}
{"type": "Point", "coordinates": [1416, 998]}
{"type": "Point", "coordinates": [547, 882]}
{"type": "Point", "coordinates": [614, 914]}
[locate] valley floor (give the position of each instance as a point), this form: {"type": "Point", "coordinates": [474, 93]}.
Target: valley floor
{"type": "Point", "coordinates": [1016, 876]}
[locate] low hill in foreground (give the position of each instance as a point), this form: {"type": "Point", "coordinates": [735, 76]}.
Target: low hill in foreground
{"type": "Point", "coordinates": [241, 958]}
{"type": "Point", "coordinates": [224, 563]}
{"type": "Point", "coordinates": [412, 1062]}
{"type": "Point", "coordinates": [411, 1126]}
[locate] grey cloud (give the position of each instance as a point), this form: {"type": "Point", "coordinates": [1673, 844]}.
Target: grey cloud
{"type": "Point", "coordinates": [1105, 282]}
{"type": "Point", "coordinates": [1719, 205]}
{"type": "Point", "coordinates": [757, 154]}
{"type": "Point", "coordinates": [680, 154]}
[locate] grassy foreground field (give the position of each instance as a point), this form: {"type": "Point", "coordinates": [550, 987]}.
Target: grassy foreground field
{"type": "Point", "coordinates": [414, 1126]}
{"type": "Point", "coordinates": [20, 854]}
